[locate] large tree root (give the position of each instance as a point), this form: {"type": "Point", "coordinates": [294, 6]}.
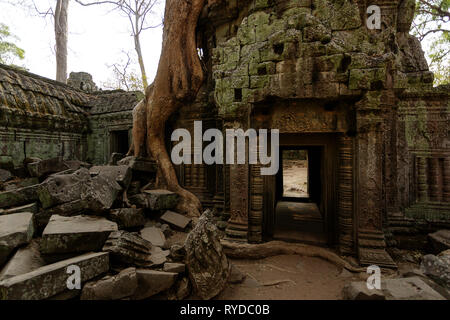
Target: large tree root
{"type": "Point", "coordinates": [274, 248]}
{"type": "Point", "coordinates": [177, 82]}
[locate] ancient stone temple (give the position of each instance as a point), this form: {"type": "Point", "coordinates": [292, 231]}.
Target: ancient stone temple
{"type": "Point", "coordinates": [359, 101]}
{"type": "Point", "coordinates": [42, 118]}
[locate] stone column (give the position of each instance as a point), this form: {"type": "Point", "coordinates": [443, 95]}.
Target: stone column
{"type": "Point", "coordinates": [369, 190]}
{"type": "Point", "coordinates": [237, 229]}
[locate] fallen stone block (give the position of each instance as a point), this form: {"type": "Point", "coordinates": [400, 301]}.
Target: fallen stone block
{"type": "Point", "coordinates": [437, 268]}
{"type": "Point", "coordinates": [32, 208]}
{"type": "Point", "coordinates": [409, 289]}
{"type": "Point", "coordinates": [206, 261]}
{"type": "Point", "coordinates": [17, 184]}
{"type": "Point", "coordinates": [174, 267]}
{"type": "Point", "coordinates": [24, 260]}
{"type": "Point", "coordinates": [129, 249]}
{"type": "Point", "coordinates": [155, 200]}
{"type": "Point", "coordinates": [440, 240]}
{"type": "Point", "coordinates": [176, 220]}
{"type": "Point", "coordinates": [68, 209]}
{"type": "Point", "coordinates": [158, 256]}
{"type": "Point", "coordinates": [121, 174]}
{"type": "Point", "coordinates": [75, 234]}
{"type": "Point", "coordinates": [101, 192]}
{"type": "Point", "coordinates": [154, 235]}
{"type": "Point", "coordinates": [116, 287]}
{"type": "Point", "coordinates": [15, 230]}
{"type": "Point", "coordinates": [139, 164]}
{"type": "Point", "coordinates": [127, 217]}
{"type": "Point", "coordinates": [359, 291]}
{"type": "Point", "coordinates": [151, 282]}
{"type": "Point", "coordinates": [46, 167]}
{"type": "Point", "coordinates": [63, 188]}
{"type": "Point", "coordinates": [5, 175]}
{"type": "Point", "coordinates": [51, 280]}
{"type": "Point", "coordinates": [19, 197]}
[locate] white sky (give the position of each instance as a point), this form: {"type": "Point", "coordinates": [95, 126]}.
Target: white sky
{"type": "Point", "coordinates": [97, 37]}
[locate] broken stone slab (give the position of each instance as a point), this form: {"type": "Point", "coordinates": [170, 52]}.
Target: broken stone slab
{"type": "Point", "coordinates": [128, 217]}
{"type": "Point", "coordinates": [51, 280]}
{"type": "Point", "coordinates": [63, 188]}
{"type": "Point", "coordinates": [206, 261]}
{"type": "Point", "coordinates": [151, 282]}
{"type": "Point", "coordinates": [5, 175]}
{"type": "Point", "coordinates": [115, 287]}
{"type": "Point", "coordinates": [46, 167]}
{"type": "Point", "coordinates": [412, 288]}
{"type": "Point", "coordinates": [129, 249]}
{"type": "Point", "coordinates": [68, 209]}
{"type": "Point", "coordinates": [15, 230]}
{"type": "Point", "coordinates": [19, 197]}
{"type": "Point", "coordinates": [101, 192]}
{"type": "Point", "coordinates": [176, 220]}
{"type": "Point", "coordinates": [360, 291]}
{"type": "Point", "coordinates": [139, 164]}
{"type": "Point", "coordinates": [22, 183]}
{"type": "Point", "coordinates": [440, 240]}
{"type": "Point", "coordinates": [122, 174]}
{"type": "Point", "coordinates": [437, 268]}
{"type": "Point", "coordinates": [158, 256]}
{"type": "Point", "coordinates": [32, 208]}
{"type": "Point", "coordinates": [24, 260]}
{"type": "Point", "coordinates": [75, 234]}
{"type": "Point", "coordinates": [155, 200]}
{"type": "Point", "coordinates": [174, 267]}
{"type": "Point", "coordinates": [154, 235]}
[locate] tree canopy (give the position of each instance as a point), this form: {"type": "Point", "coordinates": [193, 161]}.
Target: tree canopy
{"type": "Point", "coordinates": [9, 51]}
{"type": "Point", "coordinates": [432, 25]}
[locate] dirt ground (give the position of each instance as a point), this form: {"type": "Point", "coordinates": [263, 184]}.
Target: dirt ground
{"type": "Point", "coordinates": [295, 178]}
{"type": "Point", "coordinates": [288, 278]}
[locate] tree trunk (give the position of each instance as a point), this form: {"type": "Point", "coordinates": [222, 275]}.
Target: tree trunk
{"type": "Point", "coordinates": [177, 82]}
{"type": "Point", "coordinates": [61, 34]}
{"type": "Point", "coordinates": [137, 46]}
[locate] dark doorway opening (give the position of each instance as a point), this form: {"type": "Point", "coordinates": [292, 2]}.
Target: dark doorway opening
{"type": "Point", "coordinates": [298, 206]}
{"type": "Point", "coordinates": [119, 142]}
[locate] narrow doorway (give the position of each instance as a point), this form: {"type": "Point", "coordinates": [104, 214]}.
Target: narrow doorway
{"type": "Point", "coordinates": [119, 141]}
{"type": "Point", "coordinates": [299, 206]}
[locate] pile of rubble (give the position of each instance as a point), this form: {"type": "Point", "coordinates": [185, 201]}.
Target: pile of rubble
{"type": "Point", "coordinates": [429, 280]}
{"type": "Point", "coordinates": [72, 230]}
